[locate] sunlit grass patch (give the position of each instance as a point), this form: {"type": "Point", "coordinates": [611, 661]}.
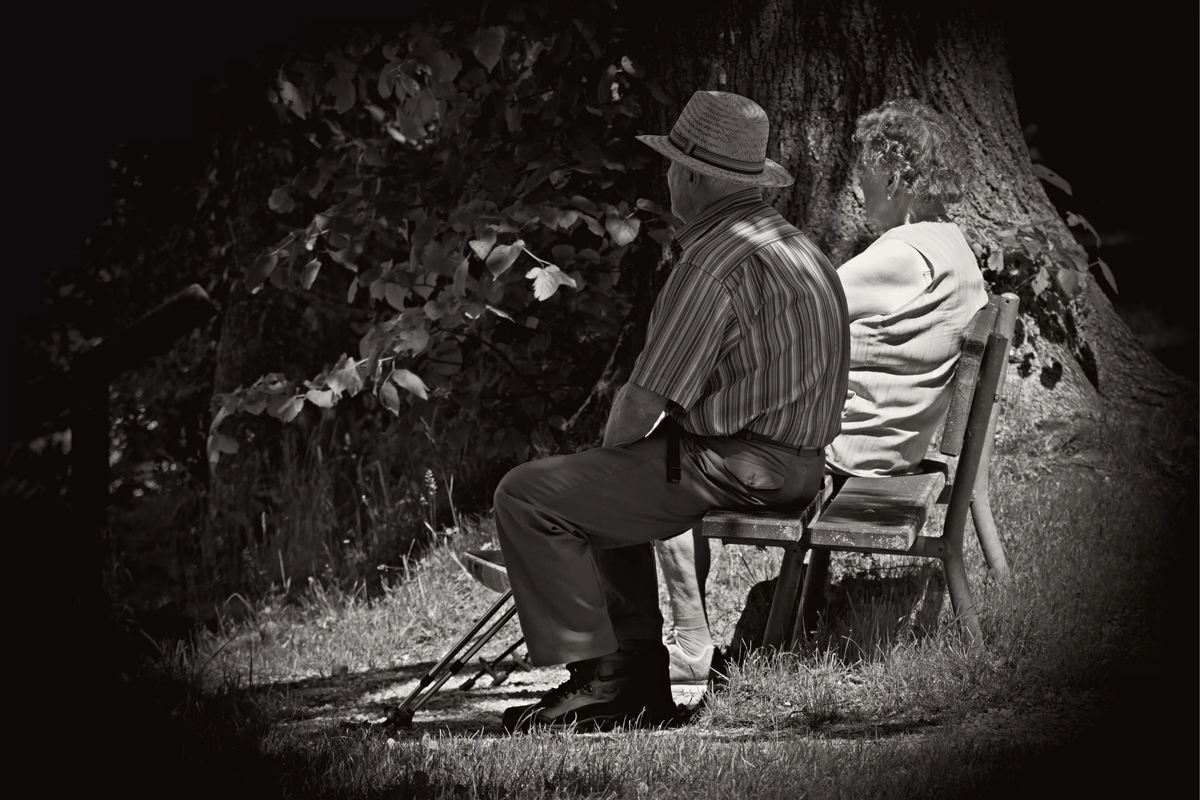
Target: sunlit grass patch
{"type": "Point", "coordinates": [886, 700]}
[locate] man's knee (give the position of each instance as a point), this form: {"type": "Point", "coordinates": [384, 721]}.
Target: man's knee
{"type": "Point", "coordinates": [512, 486]}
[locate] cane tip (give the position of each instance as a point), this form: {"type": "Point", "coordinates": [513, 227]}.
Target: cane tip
{"type": "Point", "coordinates": [399, 718]}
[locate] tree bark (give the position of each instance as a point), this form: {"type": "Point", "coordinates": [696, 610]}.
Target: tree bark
{"type": "Point", "coordinates": [815, 66]}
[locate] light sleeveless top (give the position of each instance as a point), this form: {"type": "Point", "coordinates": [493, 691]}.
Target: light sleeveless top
{"type": "Point", "coordinates": [902, 362]}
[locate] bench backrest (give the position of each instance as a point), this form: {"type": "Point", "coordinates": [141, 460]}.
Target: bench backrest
{"type": "Point", "coordinates": [976, 426]}
{"type": "Point", "coordinates": [966, 374]}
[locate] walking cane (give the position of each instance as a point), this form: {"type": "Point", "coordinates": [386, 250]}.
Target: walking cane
{"type": "Point", "coordinates": [402, 715]}
{"type": "Point", "coordinates": [489, 667]}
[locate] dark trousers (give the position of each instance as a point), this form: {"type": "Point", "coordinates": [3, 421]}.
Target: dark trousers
{"type": "Point", "coordinates": [576, 530]}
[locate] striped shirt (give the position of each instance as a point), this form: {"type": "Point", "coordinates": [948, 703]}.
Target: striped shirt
{"type": "Point", "coordinates": [902, 357]}
{"type": "Point", "coordinates": [750, 329]}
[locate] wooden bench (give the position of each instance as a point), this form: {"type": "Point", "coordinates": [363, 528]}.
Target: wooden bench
{"type": "Point", "coordinates": [887, 515]}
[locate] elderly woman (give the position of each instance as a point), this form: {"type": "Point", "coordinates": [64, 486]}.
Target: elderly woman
{"type": "Point", "coordinates": [911, 295]}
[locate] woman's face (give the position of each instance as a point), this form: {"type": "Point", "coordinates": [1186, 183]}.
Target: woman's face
{"type": "Point", "coordinates": [877, 206]}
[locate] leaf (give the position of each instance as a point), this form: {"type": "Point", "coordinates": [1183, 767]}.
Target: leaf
{"type": "Point", "coordinates": [995, 260]}
{"type": "Point", "coordinates": [261, 269]}
{"type": "Point", "coordinates": [226, 444]}
{"type": "Point", "coordinates": [281, 200]}
{"type": "Point", "coordinates": [395, 294]}
{"type": "Point", "coordinates": [660, 94]}
{"type": "Point", "coordinates": [319, 398]}
{"type": "Point", "coordinates": [483, 245]}
{"type": "Point", "coordinates": [1051, 177]}
{"type": "Point", "coordinates": [649, 205]}
{"type": "Point", "coordinates": [632, 67]}
{"type": "Point", "coordinates": [447, 359]}
{"type": "Point", "coordinates": [413, 341]}
{"type": "Point", "coordinates": [254, 403]}
{"type": "Point", "coordinates": [343, 91]}
{"type": "Point", "coordinates": [461, 273]}
{"type": "Point", "coordinates": [1074, 219]}
{"type": "Point", "coordinates": [502, 257]}
{"type": "Point", "coordinates": [310, 273]}
{"type": "Point", "coordinates": [593, 225]}
{"type": "Point", "coordinates": [661, 236]}
{"type": "Point", "coordinates": [499, 313]}
{"type": "Point", "coordinates": [487, 46]}
{"type": "Point", "coordinates": [585, 205]}
{"type": "Point", "coordinates": [622, 231]}
{"type": "Point", "coordinates": [390, 398]}
{"type": "Point", "coordinates": [1041, 281]}
{"type": "Point", "coordinates": [345, 378]}
{"type": "Point", "coordinates": [546, 281]}
{"type": "Point", "coordinates": [407, 380]}
{"type": "Point", "coordinates": [1070, 281]}
{"type": "Point", "coordinates": [284, 407]}
{"type": "Point", "coordinates": [293, 99]}
{"type": "Point", "coordinates": [352, 291]}
{"type": "Point", "coordinates": [1107, 273]}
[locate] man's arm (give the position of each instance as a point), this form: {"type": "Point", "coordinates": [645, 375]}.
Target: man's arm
{"type": "Point", "coordinates": [633, 414]}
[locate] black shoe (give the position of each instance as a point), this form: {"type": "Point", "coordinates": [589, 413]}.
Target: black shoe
{"type": "Point", "coordinates": [602, 695]}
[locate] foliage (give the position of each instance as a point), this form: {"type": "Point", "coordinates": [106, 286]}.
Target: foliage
{"type": "Point", "coordinates": [1032, 254]}
{"type": "Point", "coordinates": [481, 182]}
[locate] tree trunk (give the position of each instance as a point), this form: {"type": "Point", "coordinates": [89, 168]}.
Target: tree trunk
{"type": "Point", "coordinates": [815, 67]}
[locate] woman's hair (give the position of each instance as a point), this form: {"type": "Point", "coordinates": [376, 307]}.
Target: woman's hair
{"type": "Point", "coordinates": [908, 138]}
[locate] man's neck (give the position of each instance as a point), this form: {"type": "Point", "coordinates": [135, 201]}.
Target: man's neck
{"type": "Point", "coordinates": [718, 196]}
{"type": "Point", "coordinates": [712, 214]}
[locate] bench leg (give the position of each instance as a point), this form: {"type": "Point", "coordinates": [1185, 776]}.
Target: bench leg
{"type": "Point", "coordinates": [960, 597]}
{"type": "Point", "coordinates": [985, 527]}
{"type": "Point", "coordinates": [812, 594]}
{"type": "Point", "coordinates": [783, 604]}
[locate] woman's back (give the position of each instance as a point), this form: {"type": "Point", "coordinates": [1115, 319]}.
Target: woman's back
{"type": "Point", "coordinates": [902, 355]}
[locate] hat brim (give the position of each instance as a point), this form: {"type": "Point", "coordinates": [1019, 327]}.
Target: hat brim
{"type": "Point", "coordinates": [772, 174]}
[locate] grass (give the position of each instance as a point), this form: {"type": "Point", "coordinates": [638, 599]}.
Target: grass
{"type": "Point", "coordinates": [886, 702]}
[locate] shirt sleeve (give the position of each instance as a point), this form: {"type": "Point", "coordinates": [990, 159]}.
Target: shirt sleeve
{"type": "Point", "coordinates": [883, 278]}
{"type": "Point", "coordinates": [683, 342]}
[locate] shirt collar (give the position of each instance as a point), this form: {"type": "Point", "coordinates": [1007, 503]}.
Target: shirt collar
{"type": "Point", "coordinates": [703, 222]}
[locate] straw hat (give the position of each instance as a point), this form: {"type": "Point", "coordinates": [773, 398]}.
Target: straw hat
{"type": "Point", "coordinates": [723, 135]}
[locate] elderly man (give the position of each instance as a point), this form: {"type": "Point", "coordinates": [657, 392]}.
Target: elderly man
{"type": "Point", "coordinates": [747, 353]}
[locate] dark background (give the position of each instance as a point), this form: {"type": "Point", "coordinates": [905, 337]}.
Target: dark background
{"type": "Point", "coordinates": [1108, 102]}
{"type": "Point", "coordinates": [1113, 99]}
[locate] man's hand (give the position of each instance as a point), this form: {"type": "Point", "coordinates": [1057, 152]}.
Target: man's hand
{"type": "Point", "coordinates": [633, 414]}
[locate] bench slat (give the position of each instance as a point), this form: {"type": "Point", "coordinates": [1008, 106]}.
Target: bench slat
{"type": "Point", "coordinates": [766, 526]}
{"type": "Point", "coordinates": [882, 514]}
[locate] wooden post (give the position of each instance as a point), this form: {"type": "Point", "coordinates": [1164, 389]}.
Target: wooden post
{"type": "Point", "coordinates": [86, 392]}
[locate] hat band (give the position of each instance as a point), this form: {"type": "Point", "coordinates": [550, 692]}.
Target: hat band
{"type": "Point", "coordinates": [715, 159]}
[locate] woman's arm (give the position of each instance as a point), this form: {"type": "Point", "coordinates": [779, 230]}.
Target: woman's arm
{"type": "Point", "coordinates": [883, 278]}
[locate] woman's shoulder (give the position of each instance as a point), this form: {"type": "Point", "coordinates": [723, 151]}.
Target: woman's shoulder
{"type": "Point", "coordinates": [922, 231]}
{"type": "Point", "coordinates": [885, 251]}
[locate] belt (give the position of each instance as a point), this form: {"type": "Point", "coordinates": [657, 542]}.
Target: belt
{"type": "Point", "coordinates": [758, 438]}
{"type": "Point", "coordinates": [674, 473]}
